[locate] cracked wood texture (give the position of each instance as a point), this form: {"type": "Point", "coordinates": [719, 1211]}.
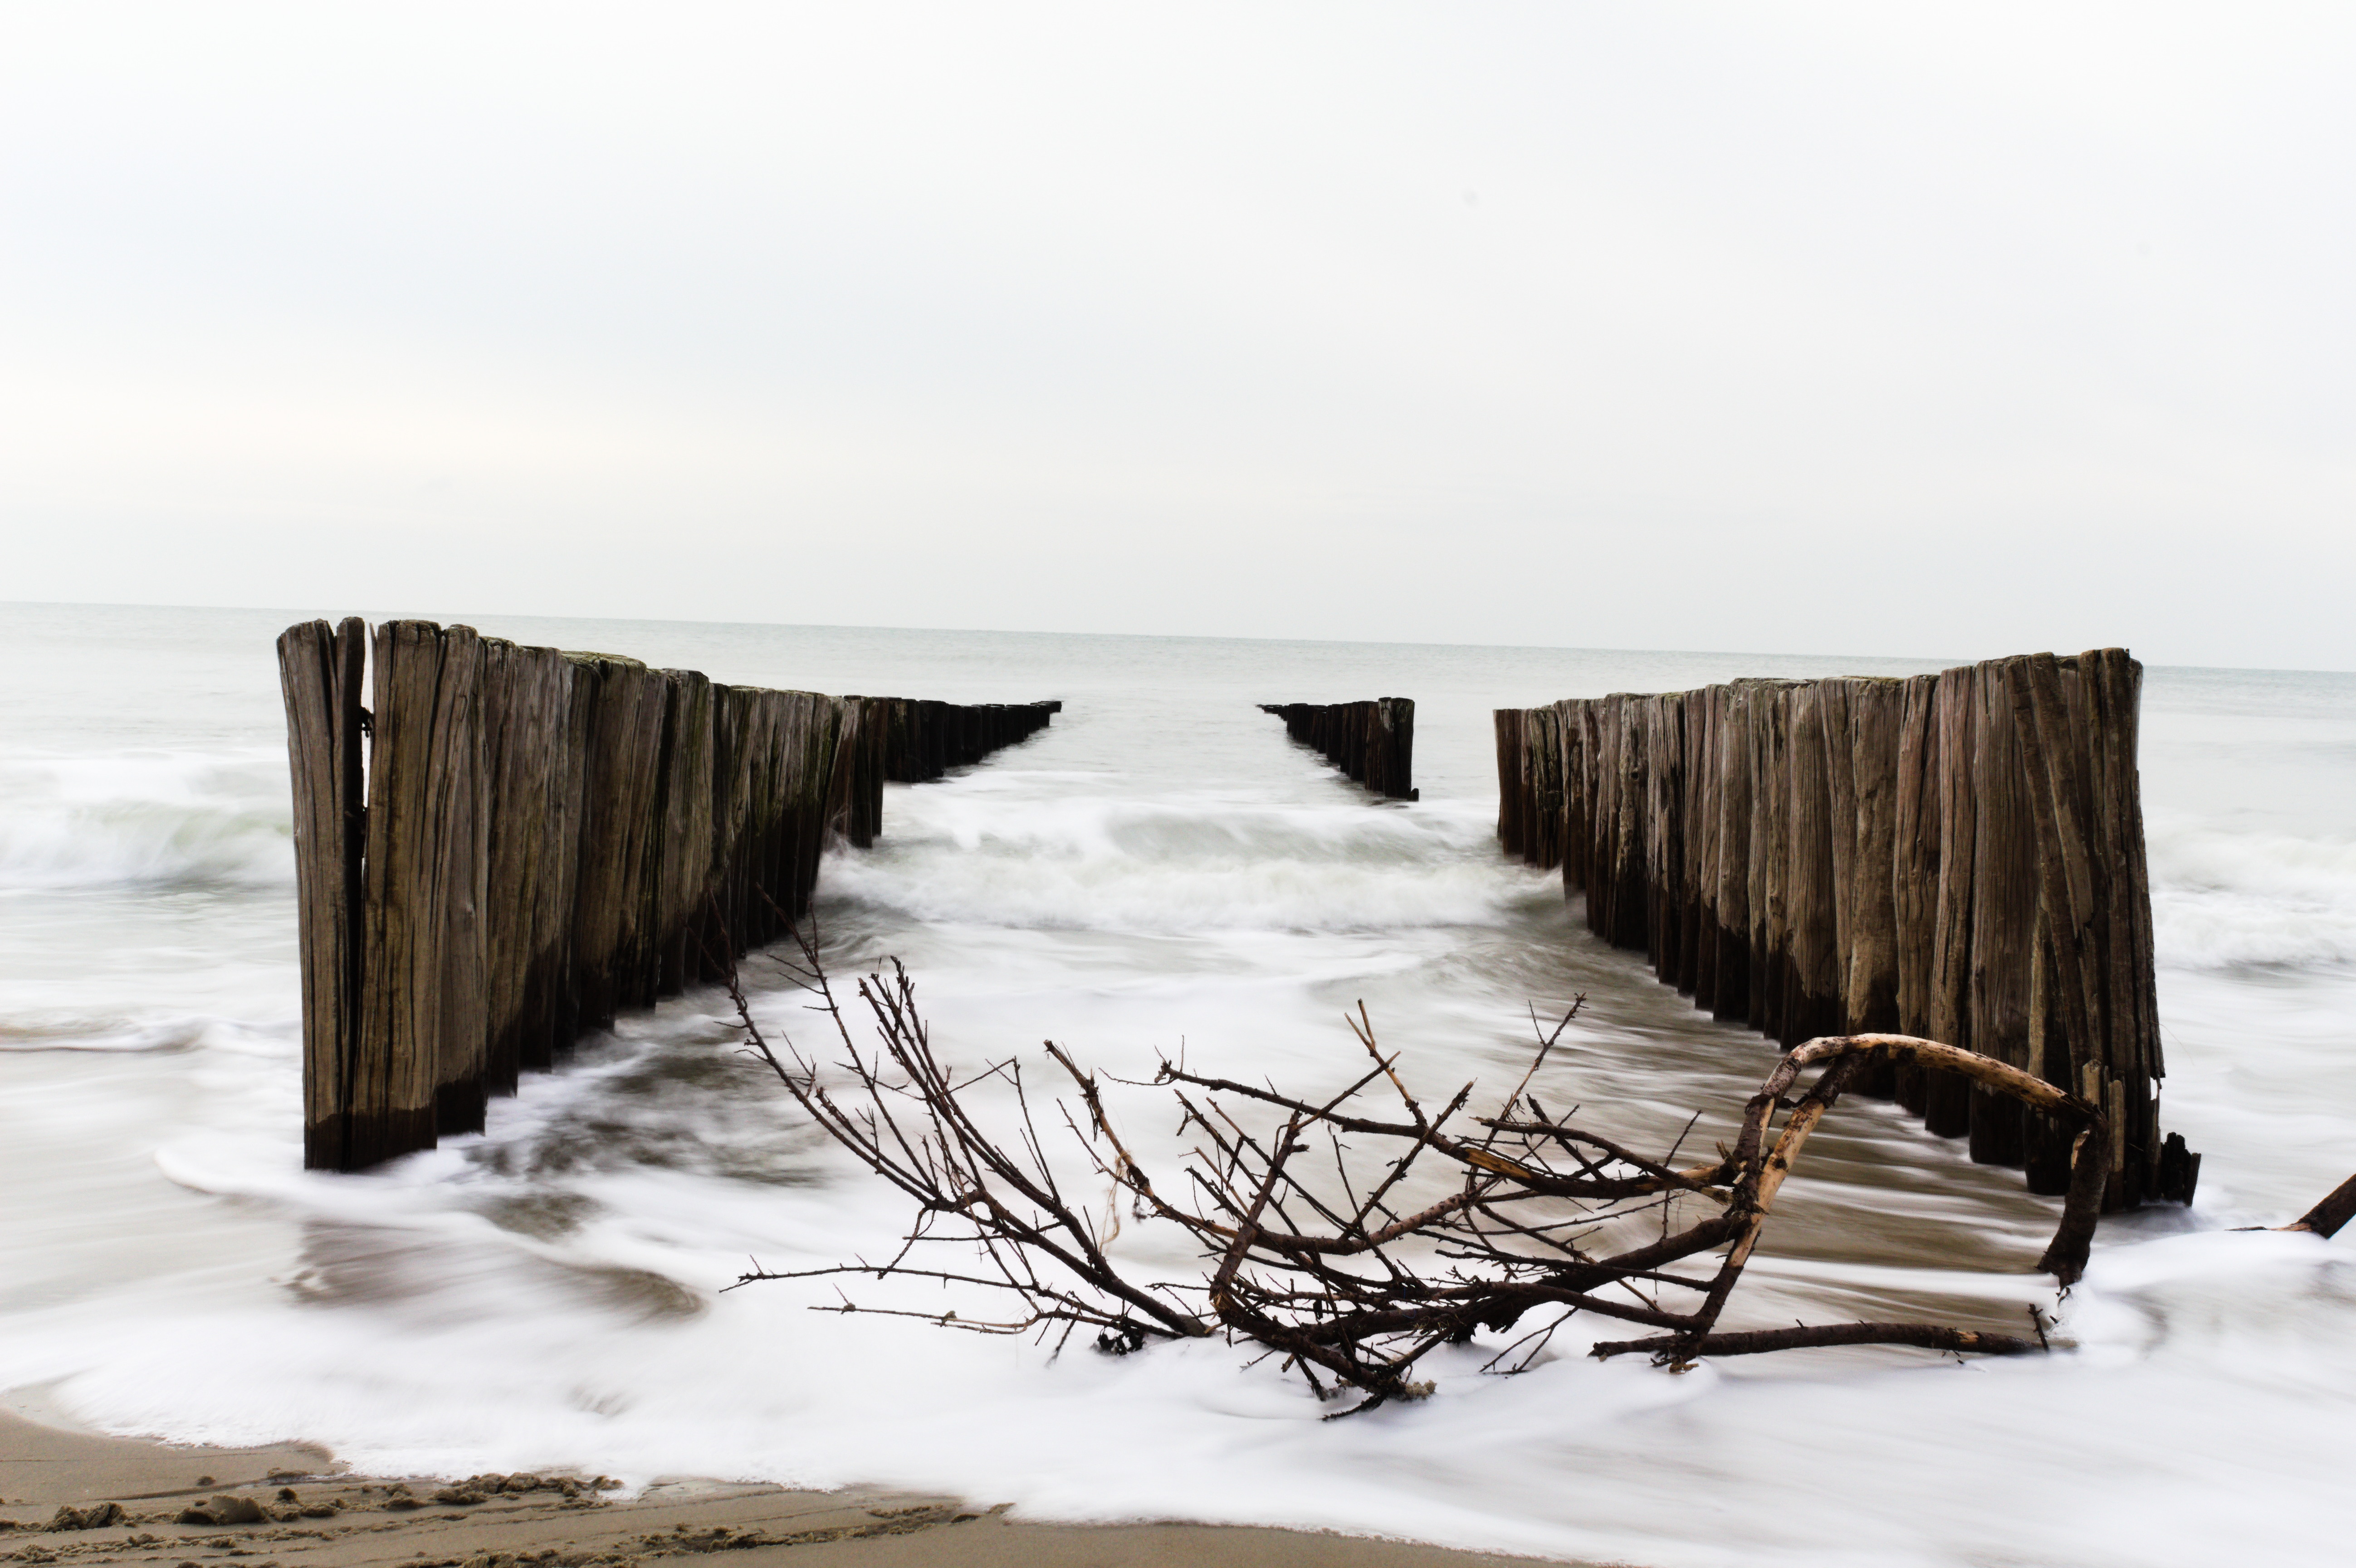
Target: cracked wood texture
{"type": "Point", "coordinates": [1958, 856]}
{"type": "Point", "coordinates": [506, 845]}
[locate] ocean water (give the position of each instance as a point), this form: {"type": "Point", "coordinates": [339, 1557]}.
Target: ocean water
{"type": "Point", "coordinates": [1160, 871]}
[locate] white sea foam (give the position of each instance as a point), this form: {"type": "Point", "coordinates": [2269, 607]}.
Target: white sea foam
{"type": "Point", "coordinates": [1107, 863]}
{"type": "Point", "coordinates": [70, 1032]}
{"type": "Point", "coordinates": [1154, 873]}
{"type": "Point", "coordinates": [423, 1321]}
{"type": "Point", "coordinates": [2221, 897]}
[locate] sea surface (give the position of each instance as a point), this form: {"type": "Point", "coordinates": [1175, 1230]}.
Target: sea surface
{"type": "Point", "coordinates": [1160, 871]}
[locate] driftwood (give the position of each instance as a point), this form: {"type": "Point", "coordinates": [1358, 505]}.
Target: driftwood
{"type": "Point", "coordinates": [2325, 1218]}
{"type": "Point", "coordinates": [1296, 1205]}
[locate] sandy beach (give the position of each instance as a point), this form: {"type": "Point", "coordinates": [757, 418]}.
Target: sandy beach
{"type": "Point", "coordinates": [68, 1497]}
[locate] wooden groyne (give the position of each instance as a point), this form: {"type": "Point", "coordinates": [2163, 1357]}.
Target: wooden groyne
{"type": "Point", "coordinates": [1373, 743]}
{"type": "Point", "coordinates": [1957, 856]}
{"type": "Point", "coordinates": [502, 846]}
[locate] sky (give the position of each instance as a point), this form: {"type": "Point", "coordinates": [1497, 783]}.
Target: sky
{"type": "Point", "coordinates": [1946, 330]}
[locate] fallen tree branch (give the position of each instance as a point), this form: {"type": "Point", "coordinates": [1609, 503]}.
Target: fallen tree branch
{"type": "Point", "coordinates": [1673, 1348]}
{"type": "Point", "coordinates": [1354, 1289]}
{"type": "Point", "coordinates": [2325, 1218]}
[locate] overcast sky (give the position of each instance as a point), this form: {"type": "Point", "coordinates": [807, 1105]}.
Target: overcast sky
{"type": "Point", "coordinates": [1940, 330]}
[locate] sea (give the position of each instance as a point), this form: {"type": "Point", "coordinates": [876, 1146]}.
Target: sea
{"type": "Point", "coordinates": [1161, 873]}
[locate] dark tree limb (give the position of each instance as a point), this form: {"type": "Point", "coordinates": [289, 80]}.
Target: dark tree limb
{"type": "Point", "coordinates": [2337, 1209]}
{"type": "Point", "coordinates": [1671, 1348]}
{"type": "Point", "coordinates": [1352, 1292]}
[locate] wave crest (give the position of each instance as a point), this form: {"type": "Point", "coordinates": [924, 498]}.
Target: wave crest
{"type": "Point", "coordinates": [2234, 900]}
{"type": "Point", "coordinates": [1155, 867]}
{"type": "Point", "coordinates": [167, 821]}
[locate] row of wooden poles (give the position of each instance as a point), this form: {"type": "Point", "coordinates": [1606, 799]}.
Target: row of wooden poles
{"type": "Point", "coordinates": [1957, 856]}
{"type": "Point", "coordinates": [504, 846]}
{"type": "Point", "coordinates": [1373, 743]}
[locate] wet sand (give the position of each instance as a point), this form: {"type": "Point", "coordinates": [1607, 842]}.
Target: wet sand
{"type": "Point", "coordinates": [291, 1507]}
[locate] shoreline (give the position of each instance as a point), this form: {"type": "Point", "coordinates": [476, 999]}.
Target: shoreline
{"type": "Point", "coordinates": [291, 1503]}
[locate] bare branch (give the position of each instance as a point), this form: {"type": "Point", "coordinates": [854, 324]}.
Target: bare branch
{"type": "Point", "coordinates": [1349, 1291]}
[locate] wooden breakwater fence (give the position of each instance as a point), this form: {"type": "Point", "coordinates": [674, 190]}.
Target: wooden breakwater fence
{"type": "Point", "coordinates": [503, 846]}
{"type": "Point", "coordinates": [1373, 743]}
{"type": "Point", "coordinates": [1957, 856]}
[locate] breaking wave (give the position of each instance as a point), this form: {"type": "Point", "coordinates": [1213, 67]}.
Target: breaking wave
{"type": "Point", "coordinates": [157, 822]}
{"type": "Point", "coordinates": [1116, 865]}
{"type": "Point", "coordinates": [2231, 899]}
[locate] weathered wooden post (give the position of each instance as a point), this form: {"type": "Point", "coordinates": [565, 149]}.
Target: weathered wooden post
{"type": "Point", "coordinates": [1372, 742]}
{"type": "Point", "coordinates": [1512, 779]}
{"type": "Point", "coordinates": [422, 894]}
{"type": "Point", "coordinates": [320, 671]}
{"type": "Point", "coordinates": [1957, 856]}
{"type": "Point", "coordinates": [533, 840]}
{"type": "Point", "coordinates": [527, 699]}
